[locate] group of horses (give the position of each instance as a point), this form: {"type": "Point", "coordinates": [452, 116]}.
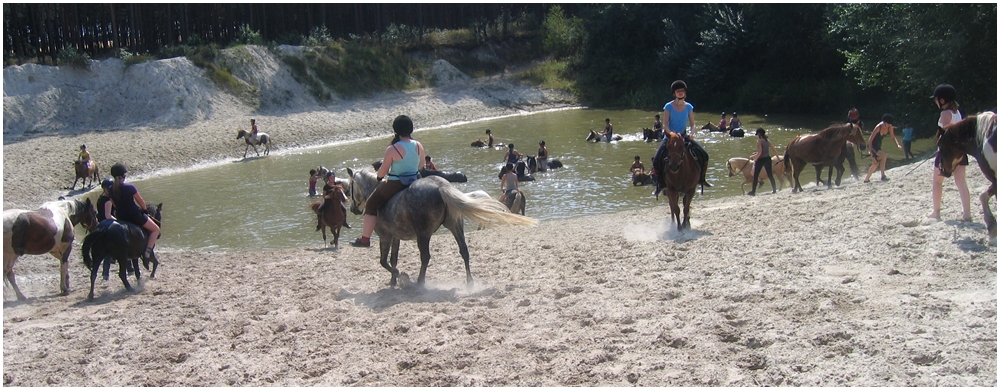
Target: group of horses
{"type": "Point", "coordinates": [50, 229]}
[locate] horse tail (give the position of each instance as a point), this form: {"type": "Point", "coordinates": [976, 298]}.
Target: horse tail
{"type": "Point", "coordinates": [484, 212]}
{"type": "Point", "coordinates": [88, 244]}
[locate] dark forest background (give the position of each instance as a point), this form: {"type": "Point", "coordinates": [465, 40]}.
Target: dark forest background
{"type": "Point", "coordinates": [762, 58]}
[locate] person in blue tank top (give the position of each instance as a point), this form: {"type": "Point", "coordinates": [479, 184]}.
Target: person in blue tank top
{"type": "Point", "coordinates": [400, 166]}
{"type": "Point", "coordinates": [679, 115]}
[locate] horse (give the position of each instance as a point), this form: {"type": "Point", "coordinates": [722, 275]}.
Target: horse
{"type": "Point", "coordinates": [745, 165]}
{"type": "Point", "coordinates": [975, 135]}
{"type": "Point", "coordinates": [650, 135]}
{"type": "Point", "coordinates": [333, 217]}
{"type": "Point", "coordinates": [416, 212]}
{"type": "Point", "coordinates": [679, 175]}
{"type": "Point", "coordinates": [641, 178]}
{"type": "Point", "coordinates": [737, 132]}
{"type": "Point", "coordinates": [532, 164]}
{"type": "Point", "coordinates": [823, 148]}
{"type": "Point", "coordinates": [515, 202]}
{"type": "Point", "coordinates": [83, 172]}
{"type": "Point", "coordinates": [261, 139]}
{"type": "Point", "coordinates": [711, 127]}
{"type": "Point", "coordinates": [478, 144]}
{"type": "Point", "coordinates": [597, 137]}
{"type": "Point", "coordinates": [122, 241]}
{"type": "Point", "coordinates": [847, 154]}
{"type": "Point", "coordinates": [46, 230]}
{"type": "Point", "coordinates": [451, 177]}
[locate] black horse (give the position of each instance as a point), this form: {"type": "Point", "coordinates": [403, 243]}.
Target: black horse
{"type": "Point", "coordinates": [123, 241]}
{"type": "Point", "coordinates": [451, 177]}
{"type": "Point", "coordinates": [532, 164]}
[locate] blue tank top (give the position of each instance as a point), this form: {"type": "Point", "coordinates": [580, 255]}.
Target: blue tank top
{"type": "Point", "coordinates": [678, 120]}
{"type": "Point", "coordinates": [409, 163]}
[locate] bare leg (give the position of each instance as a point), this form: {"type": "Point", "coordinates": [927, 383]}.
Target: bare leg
{"type": "Point", "coordinates": [963, 192]}
{"type": "Point", "coordinates": [936, 184]}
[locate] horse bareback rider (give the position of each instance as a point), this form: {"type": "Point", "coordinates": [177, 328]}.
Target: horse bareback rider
{"type": "Point", "coordinates": [402, 161]}
{"type": "Point", "coordinates": [679, 116]}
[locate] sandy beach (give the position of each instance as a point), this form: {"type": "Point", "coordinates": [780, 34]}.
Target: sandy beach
{"type": "Point", "coordinates": [850, 286]}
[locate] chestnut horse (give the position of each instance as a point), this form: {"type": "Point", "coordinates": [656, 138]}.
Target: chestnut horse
{"type": "Point", "coordinates": [678, 174]}
{"type": "Point", "coordinates": [83, 172]}
{"type": "Point", "coordinates": [975, 135]}
{"type": "Point", "coordinates": [333, 216]}
{"type": "Point", "coordinates": [821, 149]}
{"type": "Point", "coordinates": [46, 230]}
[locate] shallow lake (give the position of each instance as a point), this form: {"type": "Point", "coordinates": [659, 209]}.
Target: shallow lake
{"type": "Point", "coordinates": [263, 203]}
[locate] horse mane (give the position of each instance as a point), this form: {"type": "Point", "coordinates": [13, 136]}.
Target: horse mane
{"type": "Point", "coordinates": [832, 132]}
{"type": "Point", "coordinates": [985, 122]}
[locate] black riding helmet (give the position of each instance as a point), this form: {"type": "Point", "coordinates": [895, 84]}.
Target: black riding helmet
{"type": "Point", "coordinates": [887, 118]}
{"type": "Point", "coordinates": [679, 84]}
{"type": "Point", "coordinates": [511, 146]}
{"type": "Point", "coordinates": [107, 183]}
{"type": "Point", "coordinates": [402, 126]}
{"type": "Point", "coordinates": [945, 91]}
{"type": "Point", "coordinates": [118, 170]}
{"type": "Point", "coordinates": [541, 143]}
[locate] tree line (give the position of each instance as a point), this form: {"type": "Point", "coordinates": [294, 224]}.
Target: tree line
{"type": "Point", "coordinates": [765, 58]}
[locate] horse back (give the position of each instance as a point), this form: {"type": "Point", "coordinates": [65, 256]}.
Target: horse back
{"type": "Point", "coordinates": [415, 211]}
{"type": "Point", "coordinates": [37, 232]}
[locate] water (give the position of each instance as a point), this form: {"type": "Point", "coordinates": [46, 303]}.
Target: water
{"type": "Point", "coordinates": [263, 203]}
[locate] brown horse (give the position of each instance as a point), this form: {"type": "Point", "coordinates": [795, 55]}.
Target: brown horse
{"type": "Point", "coordinates": [46, 230]}
{"type": "Point", "coordinates": [975, 135]}
{"type": "Point", "coordinates": [846, 155]}
{"type": "Point", "coordinates": [83, 172]}
{"type": "Point", "coordinates": [822, 149]}
{"type": "Point", "coordinates": [333, 216]}
{"type": "Point", "coordinates": [678, 174]}
{"type": "Point", "coordinates": [640, 178]}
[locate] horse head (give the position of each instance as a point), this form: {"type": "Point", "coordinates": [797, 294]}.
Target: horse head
{"type": "Point", "coordinates": [676, 152]}
{"type": "Point", "coordinates": [954, 142]}
{"type": "Point", "coordinates": [593, 136]}
{"type": "Point", "coordinates": [856, 137]}
{"type": "Point", "coordinates": [363, 182]}
{"type": "Point", "coordinates": [532, 164]}
{"type": "Point", "coordinates": [85, 214]}
{"type": "Point", "coordinates": [241, 134]}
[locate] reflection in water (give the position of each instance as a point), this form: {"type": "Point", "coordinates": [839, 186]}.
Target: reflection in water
{"type": "Point", "coordinates": [263, 203]}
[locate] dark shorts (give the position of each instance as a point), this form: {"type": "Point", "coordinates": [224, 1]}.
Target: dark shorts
{"type": "Point", "coordinates": [383, 192]}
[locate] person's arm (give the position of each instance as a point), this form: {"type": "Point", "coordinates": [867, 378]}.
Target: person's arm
{"type": "Point", "coordinates": [691, 123]}
{"type": "Point", "coordinates": [503, 180]}
{"type": "Point", "coordinates": [666, 119]}
{"type": "Point", "coordinates": [423, 159]}
{"type": "Point", "coordinates": [760, 147]}
{"type": "Point", "coordinates": [892, 132]}
{"type": "Point", "coordinates": [774, 152]}
{"type": "Point", "coordinates": [139, 201]}
{"type": "Point", "coordinates": [871, 138]}
{"type": "Point", "coordinates": [945, 118]}
{"type": "Point", "coordinates": [387, 160]}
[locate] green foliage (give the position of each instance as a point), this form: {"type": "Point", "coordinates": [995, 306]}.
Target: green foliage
{"type": "Point", "coordinates": [353, 70]}
{"type": "Point", "coordinates": [132, 58]}
{"type": "Point", "coordinates": [563, 36]}
{"type": "Point", "coordinates": [69, 56]}
{"type": "Point", "coordinates": [920, 46]}
{"type": "Point", "coordinates": [319, 36]}
{"type": "Point", "coordinates": [247, 36]}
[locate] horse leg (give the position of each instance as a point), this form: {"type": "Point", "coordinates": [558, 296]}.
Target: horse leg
{"type": "Point", "coordinates": [246, 150]}
{"type": "Point", "coordinates": [840, 173]}
{"type": "Point", "coordinates": [9, 257]}
{"type": "Point", "coordinates": [829, 178]}
{"type": "Point", "coordinates": [687, 209]}
{"type": "Point", "coordinates": [336, 236]}
{"type": "Point", "coordinates": [797, 169]}
{"type": "Point", "coordinates": [123, 274]}
{"type": "Point", "coordinates": [267, 148]}
{"type": "Point", "coordinates": [384, 245]}
{"type": "Point", "coordinates": [64, 269]}
{"type": "Point", "coordinates": [675, 209]}
{"type": "Point", "coordinates": [424, 244]}
{"type": "Point", "coordinates": [991, 220]}
{"type": "Point", "coordinates": [458, 230]}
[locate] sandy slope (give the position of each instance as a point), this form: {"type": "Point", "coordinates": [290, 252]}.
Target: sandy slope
{"type": "Point", "coordinates": [844, 287]}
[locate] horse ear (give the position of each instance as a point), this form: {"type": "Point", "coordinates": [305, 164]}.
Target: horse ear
{"type": "Point", "coordinates": [160, 206]}
{"type": "Point", "coordinates": [350, 172]}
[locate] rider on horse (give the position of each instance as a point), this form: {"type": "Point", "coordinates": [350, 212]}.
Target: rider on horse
{"type": "Point", "coordinates": [679, 113]}
{"type": "Point", "coordinates": [331, 182]}
{"type": "Point", "coordinates": [402, 161]}
{"type": "Point", "coordinates": [130, 207]}
{"type": "Point", "coordinates": [84, 156]}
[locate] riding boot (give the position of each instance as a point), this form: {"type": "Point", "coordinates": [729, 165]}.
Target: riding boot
{"type": "Point", "coordinates": [346, 225]}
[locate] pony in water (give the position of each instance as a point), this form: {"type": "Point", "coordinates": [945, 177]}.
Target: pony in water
{"type": "Point", "coordinates": [333, 217]}
{"type": "Point", "coordinates": [122, 241]}
{"type": "Point", "coordinates": [46, 230]}
{"type": "Point", "coordinates": [744, 165]}
{"type": "Point", "coordinates": [451, 177]}
{"type": "Point", "coordinates": [822, 149]}
{"type": "Point", "coordinates": [83, 172]}
{"type": "Point", "coordinates": [261, 139]}
{"type": "Point", "coordinates": [640, 178]}
{"type": "Point", "coordinates": [975, 135]}
{"type": "Point", "coordinates": [418, 211]}
{"type": "Point", "coordinates": [678, 175]}
{"type": "Point", "coordinates": [597, 137]}
{"type": "Point", "coordinates": [532, 164]}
